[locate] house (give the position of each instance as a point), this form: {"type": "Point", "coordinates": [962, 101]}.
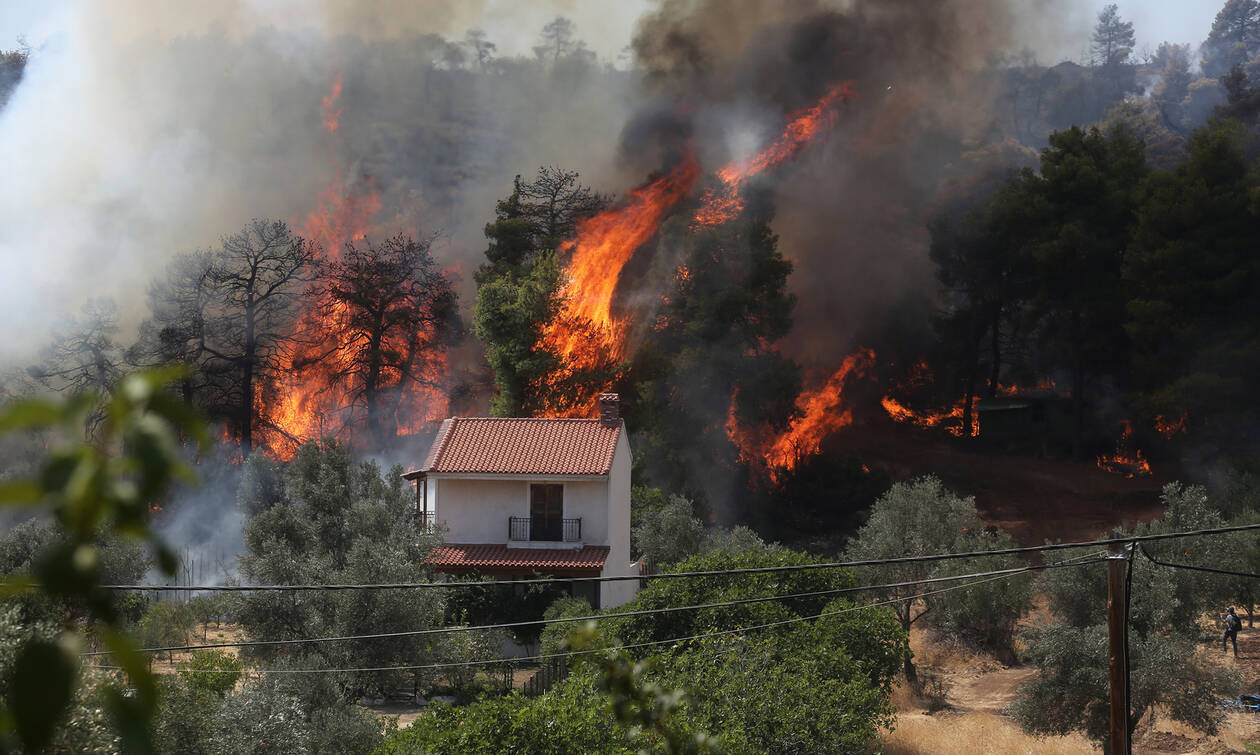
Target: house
{"type": "Point", "coordinates": [524, 496]}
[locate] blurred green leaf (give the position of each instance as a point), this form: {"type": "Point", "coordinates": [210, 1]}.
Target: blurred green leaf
{"type": "Point", "coordinates": [40, 689]}
{"type": "Point", "coordinates": [30, 414]}
{"type": "Point", "coordinates": [20, 492]}
{"type": "Point", "coordinates": [16, 584]}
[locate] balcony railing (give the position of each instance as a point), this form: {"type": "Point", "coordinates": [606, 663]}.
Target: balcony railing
{"type": "Point", "coordinates": [544, 529]}
{"type": "Point", "coordinates": [427, 520]}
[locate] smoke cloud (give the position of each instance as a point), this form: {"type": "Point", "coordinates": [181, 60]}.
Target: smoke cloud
{"type": "Point", "coordinates": [851, 211]}
{"type": "Point", "coordinates": [144, 129]}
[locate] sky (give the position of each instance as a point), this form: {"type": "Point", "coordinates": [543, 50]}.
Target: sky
{"type": "Point", "coordinates": [611, 23]}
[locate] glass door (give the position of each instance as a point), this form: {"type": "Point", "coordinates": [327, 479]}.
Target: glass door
{"type": "Point", "coordinates": [546, 512]}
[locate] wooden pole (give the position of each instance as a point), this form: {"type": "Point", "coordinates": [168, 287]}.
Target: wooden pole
{"type": "Point", "coordinates": [1116, 663]}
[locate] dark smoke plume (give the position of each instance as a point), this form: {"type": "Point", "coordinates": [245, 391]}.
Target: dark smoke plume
{"type": "Point", "coordinates": [850, 211]}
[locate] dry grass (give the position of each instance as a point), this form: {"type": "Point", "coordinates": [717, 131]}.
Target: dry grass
{"type": "Point", "coordinates": [978, 733]}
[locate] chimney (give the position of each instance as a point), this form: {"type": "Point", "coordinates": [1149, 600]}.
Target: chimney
{"type": "Point", "coordinates": [609, 409]}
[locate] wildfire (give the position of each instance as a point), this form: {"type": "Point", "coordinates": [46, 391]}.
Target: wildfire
{"type": "Point", "coordinates": [725, 203]}
{"type": "Point", "coordinates": [585, 333]}
{"type": "Point", "coordinates": [1169, 427]}
{"type": "Point", "coordinates": [820, 413]}
{"type": "Point", "coordinates": [329, 110]}
{"type": "Point", "coordinates": [951, 417]}
{"type": "Point", "coordinates": [1127, 460]}
{"type": "Point", "coordinates": [306, 403]}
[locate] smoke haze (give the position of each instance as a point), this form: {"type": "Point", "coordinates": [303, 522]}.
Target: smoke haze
{"type": "Point", "coordinates": [146, 129]}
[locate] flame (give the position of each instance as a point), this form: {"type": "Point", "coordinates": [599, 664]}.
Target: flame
{"type": "Point", "coordinates": [951, 418]}
{"type": "Point", "coordinates": [585, 334]}
{"type": "Point", "coordinates": [329, 111]}
{"type": "Point", "coordinates": [820, 412]}
{"type": "Point", "coordinates": [1127, 460]}
{"type": "Point", "coordinates": [1170, 427]}
{"type": "Point", "coordinates": [305, 402]}
{"type": "Point", "coordinates": [723, 204]}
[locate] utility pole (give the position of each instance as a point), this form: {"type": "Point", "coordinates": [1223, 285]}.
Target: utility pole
{"type": "Point", "coordinates": [1117, 662]}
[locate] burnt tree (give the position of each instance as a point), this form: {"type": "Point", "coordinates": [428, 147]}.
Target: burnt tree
{"type": "Point", "coordinates": [175, 332]}
{"type": "Point", "coordinates": [393, 312]}
{"type": "Point", "coordinates": [83, 354]}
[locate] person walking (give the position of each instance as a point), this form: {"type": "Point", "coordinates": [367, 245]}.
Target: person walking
{"type": "Point", "coordinates": [1232, 625]}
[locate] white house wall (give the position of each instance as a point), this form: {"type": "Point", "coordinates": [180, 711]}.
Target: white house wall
{"type": "Point", "coordinates": [613, 594]}
{"type": "Point", "coordinates": [477, 511]}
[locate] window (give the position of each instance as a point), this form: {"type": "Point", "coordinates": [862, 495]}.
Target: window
{"type": "Point", "coordinates": [546, 512]}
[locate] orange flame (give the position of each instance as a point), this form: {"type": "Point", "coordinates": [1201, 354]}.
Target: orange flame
{"type": "Point", "coordinates": [725, 203]}
{"type": "Point", "coordinates": [1127, 460]}
{"type": "Point", "coordinates": [820, 412]}
{"type": "Point", "coordinates": [306, 403]}
{"type": "Point", "coordinates": [585, 333]}
{"type": "Point", "coordinates": [329, 111]}
{"type": "Point", "coordinates": [1169, 427]}
{"type": "Point", "coordinates": [951, 418]}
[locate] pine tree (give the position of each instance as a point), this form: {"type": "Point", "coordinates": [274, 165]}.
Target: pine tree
{"type": "Point", "coordinates": [1234, 38]}
{"type": "Point", "coordinates": [1113, 39]}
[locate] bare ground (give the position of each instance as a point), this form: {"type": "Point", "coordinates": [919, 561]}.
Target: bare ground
{"type": "Point", "coordinates": [979, 690]}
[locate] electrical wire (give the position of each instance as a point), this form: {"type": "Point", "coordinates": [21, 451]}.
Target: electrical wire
{"type": "Point", "coordinates": [597, 617]}
{"type": "Point", "coordinates": [1079, 561]}
{"type": "Point", "coordinates": [1210, 570]}
{"type": "Point", "coordinates": [1048, 547]}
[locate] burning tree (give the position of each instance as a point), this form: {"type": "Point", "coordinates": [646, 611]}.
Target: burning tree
{"type": "Point", "coordinates": [518, 289]}
{"type": "Point", "coordinates": [713, 340]}
{"type": "Point", "coordinates": [391, 312]}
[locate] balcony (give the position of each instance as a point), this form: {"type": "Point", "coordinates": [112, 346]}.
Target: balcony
{"type": "Point", "coordinates": [426, 520]}
{"type": "Point", "coordinates": [539, 529]}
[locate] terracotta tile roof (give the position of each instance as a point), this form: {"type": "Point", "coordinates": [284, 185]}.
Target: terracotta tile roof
{"type": "Point", "coordinates": [496, 557]}
{"type": "Point", "coordinates": [488, 445]}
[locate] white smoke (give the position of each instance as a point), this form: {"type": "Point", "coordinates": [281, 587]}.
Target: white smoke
{"type": "Point", "coordinates": [143, 129]}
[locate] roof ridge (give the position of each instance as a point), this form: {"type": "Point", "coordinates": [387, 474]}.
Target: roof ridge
{"type": "Point", "coordinates": [532, 419]}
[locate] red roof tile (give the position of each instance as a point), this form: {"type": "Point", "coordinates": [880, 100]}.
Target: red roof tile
{"type": "Point", "coordinates": [494, 557]}
{"type": "Point", "coordinates": [523, 446]}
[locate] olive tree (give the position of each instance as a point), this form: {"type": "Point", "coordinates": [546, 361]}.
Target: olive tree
{"type": "Point", "coordinates": [1168, 669]}
{"type": "Point", "coordinates": [920, 518]}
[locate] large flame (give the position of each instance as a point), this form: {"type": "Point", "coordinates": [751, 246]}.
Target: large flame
{"type": "Point", "coordinates": [306, 402]}
{"type": "Point", "coordinates": [586, 333]}
{"type": "Point", "coordinates": [819, 413]}
{"type": "Point", "coordinates": [329, 110]}
{"type": "Point", "coordinates": [1128, 459]}
{"type": "Point", "coordinates": [724, 204]}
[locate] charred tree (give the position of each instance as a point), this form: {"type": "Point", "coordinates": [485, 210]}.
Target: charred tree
{"type": "Point", "coordinates": [176, 331]}
{"type": "Point", "coordinates": [393, 312]}
{"type": "Point", "coordinates": [243, 299]}
{"type": "Point", "coordinates": [83, 354]}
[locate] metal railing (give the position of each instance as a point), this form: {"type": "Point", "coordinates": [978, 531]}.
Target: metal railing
{"type": "Point", "coordinates": [427, 521]}
{"type": "Point", "coordinates": [544, 529]}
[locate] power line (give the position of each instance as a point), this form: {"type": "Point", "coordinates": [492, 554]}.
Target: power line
{"type": "Point", "coordinates": [596, 617]}
{"type": "Point", "coordinates": [1191, 567]}
{"type": "Point", "coordinates": [461, 664]}
{"type": "Point", "coordinates": [1048, 547]}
